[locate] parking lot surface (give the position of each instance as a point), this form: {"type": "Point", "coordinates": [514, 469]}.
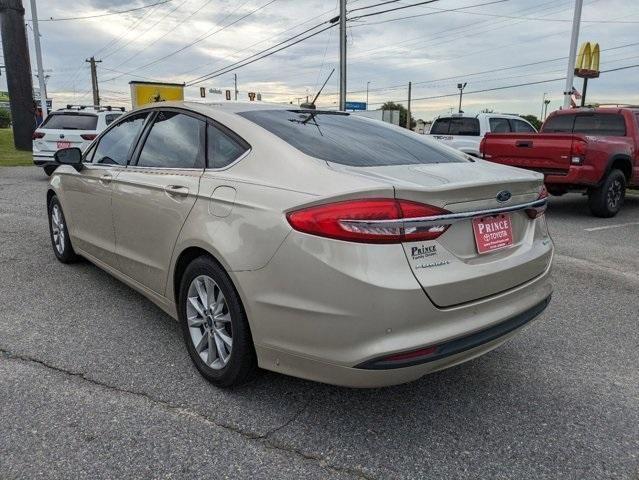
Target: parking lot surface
{"type": "Point", "coordinates": [95, 381]}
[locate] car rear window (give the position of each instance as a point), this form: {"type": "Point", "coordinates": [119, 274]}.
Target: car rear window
{"type": "Point", "coordinates": [350, 140]}
{"type": "Point", "coordinates": [70, 121]}
{"type": "Point", "coordinates": [468, 126]}
{"type": "Point", "coordinates": [602, 124]}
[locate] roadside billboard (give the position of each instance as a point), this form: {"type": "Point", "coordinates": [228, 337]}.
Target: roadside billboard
{"type": "Point", "coordinates": [143, 93]}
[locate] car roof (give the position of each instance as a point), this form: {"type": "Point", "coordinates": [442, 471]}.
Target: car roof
{"type": "Point", "coordinates": [481, 114]}
{"type": "Point", "coordinates": [206, 108]}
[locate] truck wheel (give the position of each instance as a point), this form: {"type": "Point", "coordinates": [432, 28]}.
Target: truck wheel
{"type": "Point", "coordinates": [606, 200]}
{"type": "Point", "coordinates": [49, 169]}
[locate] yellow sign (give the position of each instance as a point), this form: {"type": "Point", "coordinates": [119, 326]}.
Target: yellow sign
{"type": "Point", "coordinates": [143, 93]}
{"type": "Point", "coordinates": [587, 64]}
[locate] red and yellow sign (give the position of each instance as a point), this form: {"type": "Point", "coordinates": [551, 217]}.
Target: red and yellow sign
{"type": "Point", "coordinates": [587, 64]}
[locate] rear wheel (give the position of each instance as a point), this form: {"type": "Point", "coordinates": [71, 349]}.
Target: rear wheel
{"type": "Point", "coordinates": [214, 325]}
{"type": "Point", "coordinates": [59, 233]}
{"type": "Point", "coordinates": [606, 200]}
{"type": "Point", "coordinates": [49, 169]}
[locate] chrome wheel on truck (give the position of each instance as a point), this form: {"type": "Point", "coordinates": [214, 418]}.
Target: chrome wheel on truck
{"type": "Point", "coordinates": [606, 200]}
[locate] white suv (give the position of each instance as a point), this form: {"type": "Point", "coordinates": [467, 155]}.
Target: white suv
{"type": "Point", "coordinates": [73, 126]}
{"type": "Point", "coordinates": [465, 132]}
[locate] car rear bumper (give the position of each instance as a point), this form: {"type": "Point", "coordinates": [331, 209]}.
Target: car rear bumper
{"type": "Point", "coordinates": [324, 310]}
{"type": "Point", "coordinates": [586, 175]}
{"type": "Point", "coordinates": [43, 160]}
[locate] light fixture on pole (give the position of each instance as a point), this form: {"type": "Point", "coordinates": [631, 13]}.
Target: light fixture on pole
{"type": "Point", "coordinates": [461, 87]}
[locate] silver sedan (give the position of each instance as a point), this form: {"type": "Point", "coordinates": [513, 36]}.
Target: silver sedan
{"type": "Point", "coordinates": [313, 243]}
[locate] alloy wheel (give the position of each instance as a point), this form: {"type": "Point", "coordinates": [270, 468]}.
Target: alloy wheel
{"type": "Point", "coordinates": [615, 192]}
{"type": "Point", "coordinates": [209, 322]}
{"type": "Point", "coordinates": [57, 228]}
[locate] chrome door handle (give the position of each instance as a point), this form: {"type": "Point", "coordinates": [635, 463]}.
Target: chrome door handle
{"type": "Point", "coordinates": [106, 178]}
{"type": "Point", "coordinates": [176, 190]}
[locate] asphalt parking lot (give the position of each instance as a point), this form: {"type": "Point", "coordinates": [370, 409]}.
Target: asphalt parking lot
{"type": "Point", "coordinates": [95, 381]}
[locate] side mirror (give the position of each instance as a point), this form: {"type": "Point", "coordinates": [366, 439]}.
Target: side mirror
{"type": "Point", "coordinates": [69, 156]}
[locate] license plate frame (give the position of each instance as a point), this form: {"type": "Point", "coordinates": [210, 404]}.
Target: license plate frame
{"type": "Point", "coordinates": [63, 144]}
{"type": "Point", "coordinates": [496, 234]}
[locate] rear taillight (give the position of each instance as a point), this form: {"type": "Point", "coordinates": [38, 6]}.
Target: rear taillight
{"type": "Point", "coordinates": [577, 151]}
{"type": "Point", "coordinates": [539, 211]}
{"type": "Point", "coordinates": [37, 135]}
{"type": "Point", "coordinates": [482, 144]}
{"type": "Point", "coordinates": [88, 136]}
{"type": "Point", "coordinates": [375, 220]}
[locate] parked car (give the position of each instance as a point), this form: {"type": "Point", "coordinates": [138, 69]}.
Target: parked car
{"type": "Point", "coordinates": [595, 150]}
{"type": "Point", "coordinates": [73, 126]}
{"type": "Point", "coordinates": [465, 132]}
{"type": "Point", "coordinates": [313, 243]}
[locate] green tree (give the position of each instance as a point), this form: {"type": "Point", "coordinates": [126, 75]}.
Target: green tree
{"type": "Point", "coordinates": [5, 118]}
{"type": "Point", "coordinates": [402, 113]}
{"type": "Point", "coordinates": [533, 120]}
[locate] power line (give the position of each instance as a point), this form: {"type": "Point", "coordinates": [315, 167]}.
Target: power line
{"type": "Point", "coordinates": [232, 67]}
{"type": "Point", "coordinates": [107, 14]}
{"type": "Point", "coordinates": [505, 87]}
{"type": "Point", "coordinates": [198, 40]}
{"type": "Point", "coordinates": [373, 6]}
{"type": "Point", "coordinates": [394, 9]}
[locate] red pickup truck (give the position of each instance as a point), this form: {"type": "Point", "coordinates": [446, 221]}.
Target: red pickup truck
{"type": "Point", "coordinates": [595, 150]}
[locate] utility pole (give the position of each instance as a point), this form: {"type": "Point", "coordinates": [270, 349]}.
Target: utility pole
{"type": "Point", "coordinates": [18, 69]}
{"type": "Point", "coordinates": [543, 103]}
{"type": "Point", "coordinates": [94, 80]}
{"type": "Point", "coordinates": [576, 20]}
{"type": "Point", "coordinates": [410, 87]}
{"type": "Point", "coordinates": [367, 85]}
{"type": "Point", "coordinates": [342, 54]}
{"type": "Point", "coordinates": [38, 49]}
{"type": "Point", "coordinates": [235, 83]}
{"type": "Point", "coordinates": [461, 87]}
{"type": "Point", "coordinates": [546, 102]}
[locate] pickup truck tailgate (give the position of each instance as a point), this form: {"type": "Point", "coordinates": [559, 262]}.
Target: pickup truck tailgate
{"type": "Point", "coordinates": [547, 153]}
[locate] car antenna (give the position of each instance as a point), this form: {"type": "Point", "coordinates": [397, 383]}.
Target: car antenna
{"type": "Point", "coordinates": [311, 106]}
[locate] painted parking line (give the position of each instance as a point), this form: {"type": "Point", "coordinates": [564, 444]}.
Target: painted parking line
{"type": "Point", "coordinates": [618, 225]}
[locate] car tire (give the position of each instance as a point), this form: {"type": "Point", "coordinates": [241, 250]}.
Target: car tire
{"type": "Point", "coordinates": [60, 240]}
{"type": "Point", "coordinates": [606, 200]}
{"type": "Point", "coordinates": [209, 321]}
{"type": "Point", "coordinates": [49, 169]}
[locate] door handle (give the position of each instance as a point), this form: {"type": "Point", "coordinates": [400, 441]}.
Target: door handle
{"type": "Point", "coordinates": [176, 190]}
{"type": "Point", "coordinates": [106, 179]}
{"type": "Point", "coordinates": [524, 143]}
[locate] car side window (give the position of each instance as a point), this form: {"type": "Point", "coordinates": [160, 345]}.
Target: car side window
{"type": "Point", "coordinates": [222, 148]}
{"type": "Point", "coordinates": [521, 126]}
{"type": "Point", "coordinates": [499, 125]}
{"type": "Point", "coordinates": [110, 117]}
{"type": "Point", "coordinates": [115, 145]}
{"type": "Point", "coordinates": [175, 141]}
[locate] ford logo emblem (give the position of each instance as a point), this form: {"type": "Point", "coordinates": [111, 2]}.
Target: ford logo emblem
{"type": "Point", "coordinates": [504, 196]}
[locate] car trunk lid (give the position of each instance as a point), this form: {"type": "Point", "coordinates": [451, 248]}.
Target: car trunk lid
{"type": "Point", "coordinates": [450, 269]}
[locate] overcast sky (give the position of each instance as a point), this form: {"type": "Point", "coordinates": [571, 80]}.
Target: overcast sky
{"type": "Point", "coordinates": [435, 49]}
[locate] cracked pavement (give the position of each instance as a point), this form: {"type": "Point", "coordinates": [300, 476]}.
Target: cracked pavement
{"type": "Point", "coordinates": [95, 381]}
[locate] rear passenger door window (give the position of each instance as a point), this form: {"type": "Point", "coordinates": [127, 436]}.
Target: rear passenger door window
{"type": "Point", "coordinates": [499, 125]}
{"type": "Point", "coordinates": [223, 147]}
{"type": "Point", "coordinates": [175, 140]}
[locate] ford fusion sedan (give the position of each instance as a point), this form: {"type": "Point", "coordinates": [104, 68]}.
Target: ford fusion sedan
{"type": "Point", "coordinates": [312, 243]}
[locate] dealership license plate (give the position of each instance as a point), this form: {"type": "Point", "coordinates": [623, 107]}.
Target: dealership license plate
{"type": "Point", "coordinates": [493, 233]}
{"type": "Point", "coordinates": [62, 145]}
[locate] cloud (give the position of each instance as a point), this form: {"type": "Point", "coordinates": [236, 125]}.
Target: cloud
{"type": "Point", "coordinates": [426, 50]}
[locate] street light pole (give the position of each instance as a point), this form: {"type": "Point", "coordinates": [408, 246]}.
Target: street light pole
{"type": "Point", "coordinates": [543, 102]}
{"type": "Point", "coordinates": [461, 87]}
{"type": "Point", "coordinates": [576, 20]}
{"type": "Point", "coordinates": [36, 41]}
{"type": "Point", "coordinates": [367, 85]}
{"type": "Point", "coordinates": [342, 54]}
